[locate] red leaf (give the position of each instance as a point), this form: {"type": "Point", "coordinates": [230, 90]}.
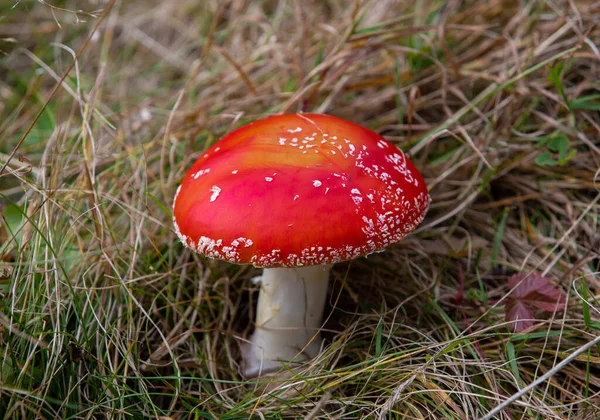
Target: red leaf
{"type": "Point", "coordinates": [519, 314]}
{"type": "Point", "coordinates": [531, 290]}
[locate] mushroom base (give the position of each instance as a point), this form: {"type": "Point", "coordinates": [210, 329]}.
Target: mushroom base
{"type": "Point", "coordinates": [289, 316]}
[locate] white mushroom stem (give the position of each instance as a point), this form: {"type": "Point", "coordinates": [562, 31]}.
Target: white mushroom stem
{"type": "Point", "coordinates": [288, 318]}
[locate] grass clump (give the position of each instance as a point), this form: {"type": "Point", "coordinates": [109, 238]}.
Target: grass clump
{"type": "Point", "coordinates": [104, 106]}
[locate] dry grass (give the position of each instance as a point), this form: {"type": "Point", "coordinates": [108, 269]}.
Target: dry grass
{"type": "Point", "coordinates": [104, 314]}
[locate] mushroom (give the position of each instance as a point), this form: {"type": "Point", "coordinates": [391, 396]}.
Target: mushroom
{"type": "Point", "coordinates": [295, 194]}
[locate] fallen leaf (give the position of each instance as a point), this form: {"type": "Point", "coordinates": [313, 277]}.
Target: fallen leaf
{"type": "Point", "coordinates": [520, 315]}
{"type": "Point", "coordinates": [531, 291]}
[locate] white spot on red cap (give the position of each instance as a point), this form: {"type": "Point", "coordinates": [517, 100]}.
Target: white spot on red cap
{"type": "Point", "coordinates": [247, 242]}
{"type": "Point", "coordinates": [201, 172]}
{"type": "Point", "coordinates": [176, 194]}
{"type": "Point", "coordinates": [317, 183]}
{"type": "Point", "coordinates": [215, 193]}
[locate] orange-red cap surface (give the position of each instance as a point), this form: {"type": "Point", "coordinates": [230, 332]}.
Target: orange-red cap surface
{"type": "Point", "coordinates": [298, 189]}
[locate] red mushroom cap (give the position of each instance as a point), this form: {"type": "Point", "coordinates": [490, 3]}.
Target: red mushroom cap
{"type": "Point", "coordinates": [296, 190]}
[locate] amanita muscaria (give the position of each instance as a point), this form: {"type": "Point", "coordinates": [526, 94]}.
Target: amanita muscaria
{"type": "Point", "coordinates": [294, 194]}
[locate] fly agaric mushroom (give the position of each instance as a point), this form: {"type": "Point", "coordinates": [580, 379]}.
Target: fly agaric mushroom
{"type": "Point", "coordinates": [295, 194]}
